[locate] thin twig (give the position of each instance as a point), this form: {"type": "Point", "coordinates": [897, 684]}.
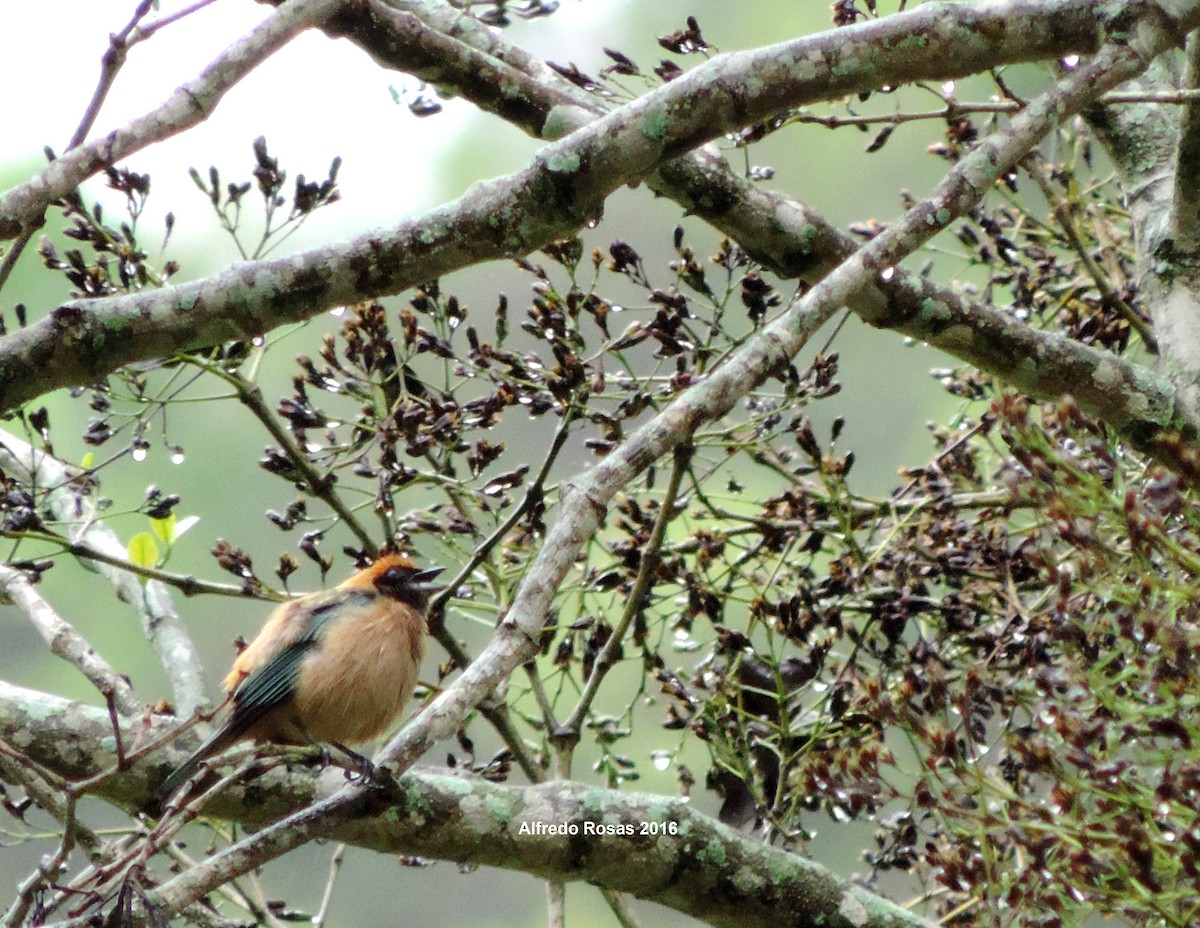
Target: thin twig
{"type": "Point", "coordinates": [144, 32]}
{"type": "Point", "coordinates": [647, 565]}
{"type": "Point", "coordinates": [45, 789]}
{"type": "Point", "coordinates": [13, 255]}
{"type": "Point", "coordinates": [24, 207]}
{"type": "Point", "coordinates": [187, 584]}
{"type": "Point", "coordinates": [335, 866]}
{"type": "Point", "coordinates": [498, 716]}
{"type": "Point", "coordinates": [111, 63]}
{"type": "Point", "coordinates": [534, 492]}
{"type": "Point", "coordinates": [47, 873]}
{"type": "Point", "coordinates": [320, 485]}
{"type": "Point", "coordinates": [953, 109]}
{"type": "Point", "coordinates": [1062, 213]}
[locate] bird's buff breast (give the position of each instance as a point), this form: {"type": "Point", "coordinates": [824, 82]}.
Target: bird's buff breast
{"type": "Point", "coordinates": [355, 684]}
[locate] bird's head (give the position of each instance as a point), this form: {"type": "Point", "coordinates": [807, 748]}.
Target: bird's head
{"type": "Point", "coordinates": [396, 577]}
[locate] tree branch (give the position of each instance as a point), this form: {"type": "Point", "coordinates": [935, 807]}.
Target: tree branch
{"type": "Point", "coordinates": [321, 487]}
{"type": "Point", "coordinates": [1145, 144]}
{"type": "Point", "coordinates": [24, 207]}
{"type": "Point", "coordinates": [583, 502]}
{"type": "Point", "coordinates": [71, 502]}
{"type": "Point", "coordinates": [1185, 208]}
{"type": "Point", "coordinates": [704, 869]}
{"type": "Point", "coordinates": [566, 185]}
{"type": "Point", "coordinates": [784, 234]}
{"type": "Point", "coordinates": [990, 33]}
{"type": "Point", "coordinates": [64, 641]}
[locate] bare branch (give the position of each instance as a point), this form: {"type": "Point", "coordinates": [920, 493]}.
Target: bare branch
{"type": "Point", "coordinates": [111, 63]}
{"type": "Point", "coordinates": [24, 207]}
{"type": "Point", "coordinates": [65, 641]}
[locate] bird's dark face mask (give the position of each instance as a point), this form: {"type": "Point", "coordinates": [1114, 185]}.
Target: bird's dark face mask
{"type": "Point", "coordinates": [409, 584]}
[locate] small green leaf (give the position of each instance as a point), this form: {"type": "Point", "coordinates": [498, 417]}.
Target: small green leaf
{"type": "Point", "coordinates": [142, 550]}
{"type": "Point", "coordinates": [88, 460]}
{"type": "Point", "coordinates": [165, 529]}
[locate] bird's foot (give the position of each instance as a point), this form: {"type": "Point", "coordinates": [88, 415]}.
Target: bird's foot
{"type": "Point", "coordinates": [360, 766]}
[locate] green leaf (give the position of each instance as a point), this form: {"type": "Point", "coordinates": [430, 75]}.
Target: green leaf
{"type": "Point", "coordinates": [164, 529]}
{"type": "Point", "coordinates": [142, 549]}
{"type": "Point", "coordinates": [88, 460]}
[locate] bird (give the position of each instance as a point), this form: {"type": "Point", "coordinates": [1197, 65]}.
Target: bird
{"type": "Point", "coordinates": [334, 667]}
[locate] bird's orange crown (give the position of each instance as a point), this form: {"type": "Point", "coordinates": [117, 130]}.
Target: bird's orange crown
{"type": "Point", "coordinates": [396, 577]}
{"type": "Point", "coordinates": [367, 577]}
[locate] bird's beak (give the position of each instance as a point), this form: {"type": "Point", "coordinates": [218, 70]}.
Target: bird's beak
{"type": "Point", "coordinates": [422, 580]}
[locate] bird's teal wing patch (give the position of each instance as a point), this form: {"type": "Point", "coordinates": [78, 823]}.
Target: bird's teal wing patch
{"type": "Point", "coordinates": [267, 688]}
{"type": "Point", "coordinates": [273, 684]}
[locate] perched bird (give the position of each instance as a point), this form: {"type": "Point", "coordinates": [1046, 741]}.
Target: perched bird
{"type": "Point", "coordinates": [335, 667]}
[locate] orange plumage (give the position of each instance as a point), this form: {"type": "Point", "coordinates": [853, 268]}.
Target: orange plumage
{"type": "Point", "coordinates": [337, 666]}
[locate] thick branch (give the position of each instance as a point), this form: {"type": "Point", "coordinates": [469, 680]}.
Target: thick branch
{"type": "Point", "coordinates": [1185, 208]}
{"type": "Point", "coordinates": [779, 232]}
{"type": "Point", "coordinates": [622, 840]}
{"type": "Point", "coordinates": [1144, 142]}
{"type": "Point", "coordinates": [83, 341]}
{"type": "Point", "coordinates": [966, 39]}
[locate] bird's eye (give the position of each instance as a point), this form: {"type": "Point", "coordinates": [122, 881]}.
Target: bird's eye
{"type": "Point", "coordinates": [397, 574]}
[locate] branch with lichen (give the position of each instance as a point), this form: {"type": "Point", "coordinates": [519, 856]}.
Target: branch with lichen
{"type": "Point", "coordinates": [1154, 155]}
{"type": "Point", "coordinates": [558, 193]}
{"type": "Point", "coordinates": [1185, 208]}
{"type": "Point", "coordinates": [733, 879]}
{"type": "Point", "coordinates": [787, 236]}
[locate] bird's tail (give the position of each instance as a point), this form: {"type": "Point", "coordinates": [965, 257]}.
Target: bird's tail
{"type": "Point", "coordinates": [217, 742]}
